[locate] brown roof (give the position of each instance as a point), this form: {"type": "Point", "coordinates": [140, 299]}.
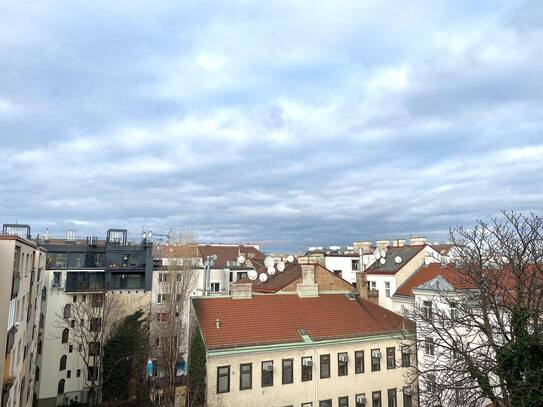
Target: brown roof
{"type": "Point", "coordinates": [429, 272]}
{"type": "Point", "coordinates": [271, 319]}
{"type": "Point", "coordinates": [390, 266]}
{"type": "Point", "coordinates": [225, 253]}
{"type": "Point", "coordinates": [443, 249]}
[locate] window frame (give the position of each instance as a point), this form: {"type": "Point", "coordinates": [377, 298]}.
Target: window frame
{"type": "Point", "coordinates": [373, 399]}
{"type": "Point", "coordinates": [220, 375]}
{"type": "Point", "coordinates": [342, 367]}
{"type": "Point", "coordinates": [322, 360]}
{"type": "Point", "coordinates": [241, 374]}
{"type": "Point", "coordinates": [291, 369]}
{"type": "Point", "coordinates": [393, 360]}
{"type": "Point", "coordinates": [395, 398]}
{"type": "Point", "coordinates": [344, 399]}
{"type": "Point", "coordinates": [406, 355]}
{"type": "Point", "coordinates": [264, 373]}
{"type": "Point", "coordinates": [308, 368]}
{"type": "Point", "coordinates": [378, 369]}
{"type": "Point", "coordinates": [359, 356]}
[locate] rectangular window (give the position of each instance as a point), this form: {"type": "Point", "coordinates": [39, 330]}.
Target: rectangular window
{"type": "Point", "coordinates": [325, 366]}
{"type": "Point", "coordinates": [431, 383]}
{"type": "Point", "coordinates": [429, 346]}
{"type": "Point", "coordinates": [288, 371]}
{"type": "Point", "coordinates": [325, 403]}
{"type": "Point", "coordinates": [359, 361]}
{"type": "Point", "coordinates": [97, 300]}
{"type": "Point", "coordinates": [92, 373]}
{"type": "Point", "coordinates": [392, 402]}
{"type": "Point", "coordinates": [360, 400]}
{"type": "Point", "coordinates": [355, 264]}
{"type": "Point", "coordinates": [215, 287]}
{"type": "Point", "coordinates": [267, 373]}
{"type": "Point", "coordinates": [454, 311]}
{"type": "Point", "coordinates": [162, 277]}
{"type": "Point", "coordinates": [376, 399]}
{"type": "Point", "coordinates": [406, 356]}
{"type": "Point", "coordinates": [309, 404]}
{"type": "Point", "coordinates": [245, 376]}
{"type": "Point", "coordinates": [375, 360]}
{"type": "Point", "coordinates": [387, 289]}
{"type": "Point", "coordinates": [342, 364]}
{"type": "Point", "coordinates": [223, 379]}
{"type": "Point", "coordinates": [94, 348]}
{"type": "Point", "coordinates": [95, 324]}
{"type": "Point", "coordinates": [343, 401]}
{"type": "Point", "coordinates": [372, 285]}
{"type": "Point", "coordinates": [427, 309]}
{"type": "Point", "coordinates": [161, 298]}
{"type": "Point", "coordinates": [307, 368]}
{"type": "Point", "coordinates": [407, 397]}
{"type": "Point", "coordinates": [391, 358]}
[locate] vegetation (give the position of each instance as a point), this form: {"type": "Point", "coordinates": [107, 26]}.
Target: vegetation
{"type": "Point", "coordinates": [197, 370]}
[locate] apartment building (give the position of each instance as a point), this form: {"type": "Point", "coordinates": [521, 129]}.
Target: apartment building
{"type": "Point", "coordinates": [22, 264]}
{"type": "Point", "coordinates": [304, 348]}
{"type": "Point", "coordinates": [83, 277]}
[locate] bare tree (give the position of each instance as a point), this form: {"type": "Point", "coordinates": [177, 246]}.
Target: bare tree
{"type": "Point", "coordinates": [177, 280]}
{"type": "Point", "coordinates": [84, 325]}
{"type": "Point", "coordinates": [479, 328]}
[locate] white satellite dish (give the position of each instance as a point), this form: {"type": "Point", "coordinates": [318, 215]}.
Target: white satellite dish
{"type": "Point", "coordinates": [290, 258]}
{"type": "Point", "coordinates": [383, 252]}
{"type": "Point", "coordinates": [268, 261]}
{"type": "Point", "coordinates": [252, 274]}
{"type": "Point", "coordinates": [263, 277]}
{"type": "Point", "coordinates": [241, 259]}
{"type": "Point", "coordinates": [398, 259]}
{"type": "Point", "coordinates": [271, 271]}
{"type": "Point", "coordinates": [377, 254]}
{"type": "Point", "coordinates": [214, 257]}
{"type": "Point", "coordinates": [280, 266]}
{"type": "Point", "coordinates": [382, 260]}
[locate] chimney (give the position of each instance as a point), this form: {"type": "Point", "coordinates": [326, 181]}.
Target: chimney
{"type": "Point", "coordinates": [398, 243]}
{"type": "Point", "coordinates": [417, 240]}
{"type": "Point", "coordinates": [308, 287]}
{"type": "Point", "coordinates": [362, 284]}
{"type": "Point", "coordinates": [242, 291]}
{"type": "Point", "coordinates": [382, 244]}
{"type": "Point", "coordinates": [365, 246]}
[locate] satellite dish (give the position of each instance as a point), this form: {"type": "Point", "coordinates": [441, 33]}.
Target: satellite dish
{"type": "Point", "coordinates": [365, 261]}
{"type": "Point", "coordinates": [241, 259]}
{"type": "Point", "coordinates": [290, 258]}
{"type": "Point", "coordinates": [383, 252]}
{"type": "Point", "coordinates": [377, 254]}
{"type": "Point", "coordinates": [214, 257]}
{"type": "Point", "coordinates": [271, 271]}
{"type": "Point", "coordinates": [280, 266]}
{"type": "Point", "coordinates": [268, 261]}
{"type": "Point", "coordinates": [398, 259]}
{"type": "Point", "coordinates": [382, 260]}
{"type": "Point", "coordinates": [263, 277]}
{"type": "Point", "coordinates": [252, 274]}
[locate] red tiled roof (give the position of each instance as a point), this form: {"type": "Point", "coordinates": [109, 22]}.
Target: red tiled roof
{"type": "Point", "coordinates": [271, 319]}
{"type": "Point", "coordinates": [429, 272]}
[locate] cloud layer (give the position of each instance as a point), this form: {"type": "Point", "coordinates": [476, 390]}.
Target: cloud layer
{"type": "Point", "coordinates": [286, 123]}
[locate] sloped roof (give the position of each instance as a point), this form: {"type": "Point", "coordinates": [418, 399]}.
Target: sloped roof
{"type": "Point", "coordinates": [272, 319]}
{"type": "Point", "coordinates": [390, 266]}
{"type": "Point", "coordinates": [226, 254]}
{"type": "Point", "coordinates": [443, 249]}
{"type": "Point", "coordinates": [429, 272]}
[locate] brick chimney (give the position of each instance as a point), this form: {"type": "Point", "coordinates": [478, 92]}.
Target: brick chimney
{"type": "Point", "coordinates": [362, 284]}
{"type": "Point", "coordinates": [308, 287]}
{"type": "Point", "coordinates": [242, 291]}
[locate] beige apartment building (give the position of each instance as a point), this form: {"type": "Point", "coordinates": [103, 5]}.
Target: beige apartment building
{"type": "Point", "coordinates": [21, 273]}
{"type": "Point", "coordinates": [310, 347]}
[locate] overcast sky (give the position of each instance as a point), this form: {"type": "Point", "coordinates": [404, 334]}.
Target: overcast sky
{"type": "Point", "coordinates": [285, 123]}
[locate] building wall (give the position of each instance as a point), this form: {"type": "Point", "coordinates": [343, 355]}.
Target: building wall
{"type": "Point", "coordinates": [380, 285]}
{"type": "Point", "coordinates": [309, 391]}
{"type": "Point", "coordinates": [326, 280]}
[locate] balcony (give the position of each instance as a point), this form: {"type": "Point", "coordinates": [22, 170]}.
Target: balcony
{"type": "Point", "coordinates": [85, 281]}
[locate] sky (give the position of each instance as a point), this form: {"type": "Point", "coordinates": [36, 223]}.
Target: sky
{"type": "Point", "coordinates": [290, 124]}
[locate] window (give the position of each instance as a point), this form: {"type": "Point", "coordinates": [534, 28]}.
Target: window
{"type": "Point", "coordinates": [95, 324]}
{"type": "Point", "coordinates": [387, 289]}
{"type": "Point", "coordinates": [309, 404]}
{"type": "Point", "coordinates": [74, 299]}
{"type": "Point", "coordinates": [307, 368]}
{"type": "Point", "coordinates": [97, 300]}
{"type": "Point", "coordinates": [359, 361]}
{"type": "Point", "coordinates": [288, 371]}
{"type": "Point", "coordinates": [360, 400]}
{"type": "Point", "coordinates": [68, 374]}
{"type": "Point", "coordinates": [65, 334]}
{"type": "Point", "coordinates": [62, 363]}
{"type": "Point", "coordinates": [161, 298]}
{"type": "Point", "coordinates": [407, 397]}
{"type": "Point", "coordinates": [454, 311]}
{"type": "Point", "coordinates": [375, 360]}
{"type": "Point", "coordinates": [67, 311]}
{"type": "Point", "coordinates": [92, 373]}
{"type": "Point", "coordinates": [355, 264]}
{"type": "Point", "coordinates": [431, 383]}
{"type": "Point", "coordinates": [84, 298]}
{"type": "Point", "coordinates": [37, 374]}
{"type": "Point", "coordinates": [245, 376]}
{"type": "Point", "coordinates": [391, 358]}
{"type": "Point", "coordinates": [429, 346]}
{"type": "Point", "coordinates": [343, 401]}
{"type": "Point", "coordinates": [376, 399]}
{"type": "Point", "coordinates": [60, 388]}
{"type": "Point", "coordinates": [70, 348]}
{"type": "Point", "coordinates": [342, 364]}
{"type": "Point", "coordinates": [78, 373]}
{"type": "Point", "coordinates": [325, 366]}
{"type": "Point", "coordinates": [372, 285]}
{"type": "Point", "coordinates": [325, 403]}
{"type": "Point", "coordinates": [162, 277]}
{"type": "Point", "coordinates": [215, 287]}
{"type": "Point", "coordinates": [427, 309]}
{"type": "Point", "coordinates": [72, 323]}
{"type": "Point", "coordinates": [267, 373]}
{"type": "Point", "coordinates": [406, 356]}
{"type": "Point", "coordinates": [223, 379]}
{"type": "Point", "coordinates": [94, 348]}
{"type": "Point", "coordinates": [39, 346]}
{"type": "Point", "coordinates": [56, 279]}
{"type": "Point", "coordinates": [392, 402]}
